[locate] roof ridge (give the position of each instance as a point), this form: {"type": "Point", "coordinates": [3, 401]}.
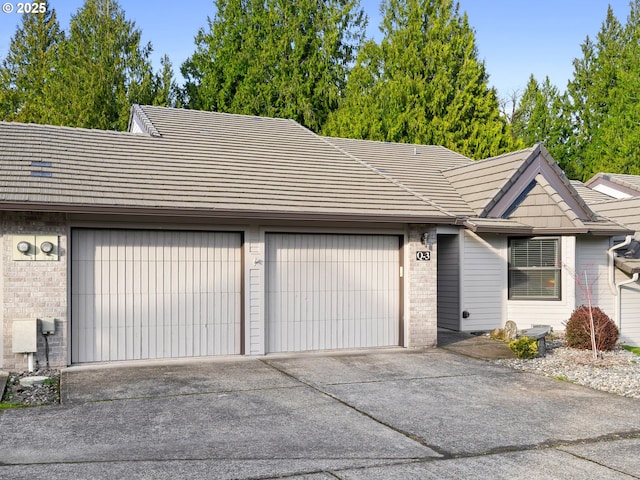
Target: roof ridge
{"type": "Point", "coordinates": [566, 182]}
{"type": "Point", "coordinates": [475, 163]}
{"type": "Point", "coordinates": [378, 172]}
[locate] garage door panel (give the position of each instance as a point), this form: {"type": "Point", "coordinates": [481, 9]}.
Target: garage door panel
{"type": "Point", "coordinates": [154, 294]}
{"type": "Point", "coordinates": [332, 291]}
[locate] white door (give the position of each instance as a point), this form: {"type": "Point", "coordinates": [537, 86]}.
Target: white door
{"type": "Point", "coordinates": [139, 294]}
{"type": "Point", "coordinates": [332, 291]}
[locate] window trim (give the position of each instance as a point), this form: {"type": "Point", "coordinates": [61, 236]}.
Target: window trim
{"type": "Point", "coordinates": [557, 269]}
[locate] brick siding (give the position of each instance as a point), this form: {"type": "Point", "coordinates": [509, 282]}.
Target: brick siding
{"type": "Point", "coordinates": [422, 284]}
{"type": "Point", "coordinates": [34, 289]}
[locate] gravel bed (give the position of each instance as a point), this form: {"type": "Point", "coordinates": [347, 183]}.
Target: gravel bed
{"type": "Point", "coordinates": [45, 394]}
{"type": "Point", "coordinates": [617, 371]}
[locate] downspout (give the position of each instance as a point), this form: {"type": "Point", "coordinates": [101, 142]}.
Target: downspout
{"type": "Point", "coordinates": [616, 289]}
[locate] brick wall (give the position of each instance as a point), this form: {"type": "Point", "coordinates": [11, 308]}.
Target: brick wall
{"type": "Point", "coordinates": [422, 284]}
{"type": "Point", "coordinates": [34, 289]}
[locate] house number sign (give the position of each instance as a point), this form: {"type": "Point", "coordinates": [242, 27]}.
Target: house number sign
{"type": "Point", "coordinates": [423, 256]}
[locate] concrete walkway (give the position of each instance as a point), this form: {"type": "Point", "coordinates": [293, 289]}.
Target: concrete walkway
{"type": "Point", "coordinates": [476, 346]}
{"type": "Point", "coordinates": [383, 414]}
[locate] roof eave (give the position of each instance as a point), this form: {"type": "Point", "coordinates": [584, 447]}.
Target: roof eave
{"type": "Point", "coordinates": [506, 229]}
{"type": "Point", "coordinates": [229, 213]}
{"type": "Point", "coordinates": [629, 267]}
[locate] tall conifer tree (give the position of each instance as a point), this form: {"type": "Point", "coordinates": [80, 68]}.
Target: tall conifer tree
{"type": "Point", "coordinates": [28, 66]}
{"type": "Point", "coordinates": [277, 58]}
{"type": "Point", "coordinates": [603, 101]}
{"type": "Point", "coordinates": [539, 116]}
{"type": "Point", "coordinates": [423, 84]}
{"type": "Point", "coordinates": [103, 69]}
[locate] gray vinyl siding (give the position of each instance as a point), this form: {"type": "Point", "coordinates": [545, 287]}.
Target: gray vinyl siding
{"type": "Point", "coordinates": [449, 282]}
{"type": "Point", "coordinates": [484, 278]}
{"type": "Point", "coordinates": [591, 259]}
{"type": "Point", "coordinates": [139, 294]}
{"type": "Point", "coordinates": [630, 314]}
{"type": "Point", "coordinates": [331, 291]}
{"type": "Point", "coordinates": [591, 254]}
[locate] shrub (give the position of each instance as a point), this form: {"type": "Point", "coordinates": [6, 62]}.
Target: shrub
{"type": "Point", "coordinates": [578, 330]}
{"type": "Point", "coordinates": [524, 347]}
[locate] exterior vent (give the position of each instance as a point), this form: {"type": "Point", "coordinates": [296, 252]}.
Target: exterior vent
{"type": "Point", "coordinates": [144, 123]}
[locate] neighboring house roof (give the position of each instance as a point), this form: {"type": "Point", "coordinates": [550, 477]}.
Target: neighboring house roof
{"type": "Point", "coordinates": [228, 165]}
{"type": "Point", "coordinates": [589, 195]}
{"type": "Point", "coordinates": [616, 185]}
{"type": "Point", "coordinates": [625, 211]}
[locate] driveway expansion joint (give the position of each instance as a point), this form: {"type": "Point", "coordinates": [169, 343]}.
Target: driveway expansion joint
{"type": "Point", "coordinates": [320, 390]}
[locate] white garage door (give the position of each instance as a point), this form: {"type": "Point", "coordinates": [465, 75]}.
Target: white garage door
{"type": "Point", "coordinates": [332, 291]}
{"type": "Point", "coordinates": [139, 294]}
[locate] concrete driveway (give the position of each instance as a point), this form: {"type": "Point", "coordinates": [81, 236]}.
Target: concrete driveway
{"type": "Point", "coordinates": [380, 414]}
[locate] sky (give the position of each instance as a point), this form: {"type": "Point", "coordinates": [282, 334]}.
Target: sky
{"type": "Point", "coordinates": [515, 38]}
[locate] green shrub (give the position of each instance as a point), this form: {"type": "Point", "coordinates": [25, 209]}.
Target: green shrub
{"type": "Point", "coordinates": [524, 347]}
{"type": "Point", "coordinates": [578, 331]}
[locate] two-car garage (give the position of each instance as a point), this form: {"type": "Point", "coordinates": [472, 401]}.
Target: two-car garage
{"type": "Point", "coordinates": [145, 294]}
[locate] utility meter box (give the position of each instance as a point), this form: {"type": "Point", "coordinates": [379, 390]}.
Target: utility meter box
{"type": "Point", "coordinates": [25, 336]}
{"type": "Point", "coordinates": [36, 247]}
{"type": "Point", "coordinates": [48, 326]}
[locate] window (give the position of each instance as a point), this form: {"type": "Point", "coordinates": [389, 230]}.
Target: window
{"type": "Point", "coordinates": [534, 268]}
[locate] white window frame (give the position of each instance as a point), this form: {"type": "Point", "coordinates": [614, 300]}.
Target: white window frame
{"type": "Point", "coordinates": [534, 260]}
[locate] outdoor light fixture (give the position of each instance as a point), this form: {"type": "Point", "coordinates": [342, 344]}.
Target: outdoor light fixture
{"type": "Point", "coordinates": [427, 240]}
{"type": "Point", "coordinates": [23, 247]}
{"type": "Point", "coordinates": [46, 247]}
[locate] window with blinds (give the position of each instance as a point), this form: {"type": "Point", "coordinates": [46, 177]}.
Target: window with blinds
{"type": "Point", "coordinates": [534, 268]}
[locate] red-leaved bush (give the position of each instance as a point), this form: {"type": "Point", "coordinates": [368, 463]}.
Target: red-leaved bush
{"type": "Point", "coordinates": [578, 331]}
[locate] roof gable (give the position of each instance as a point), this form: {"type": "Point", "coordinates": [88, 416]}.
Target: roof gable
{"type": "Point", "coordinates": [497, 186]}
{"type": "Point", "coordinates": [544, 209]}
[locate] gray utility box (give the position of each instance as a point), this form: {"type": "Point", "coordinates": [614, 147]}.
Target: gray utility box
{"type": "Point", "coordinates": [25, 336]}
{"type": "Point", "coordinates": [48, 326]}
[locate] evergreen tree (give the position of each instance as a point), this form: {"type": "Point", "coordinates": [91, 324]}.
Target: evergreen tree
{"type": "Point", "coordinates": [603, 102]}
{"type": "Point", "coordinates": [423, 84]}
{"type": "Point", "coordinates": [27, 68]}
{"type": "Point", "coordinates": [166, 92]}
{"type": "Point", "coordinates": [103, 69]}
{"type": "Point", "coordinates": [277, 58]}
{"type": "Point", "coordinates": [539, 117]}
{"type": "Point", "coordinates": [615, 145]}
